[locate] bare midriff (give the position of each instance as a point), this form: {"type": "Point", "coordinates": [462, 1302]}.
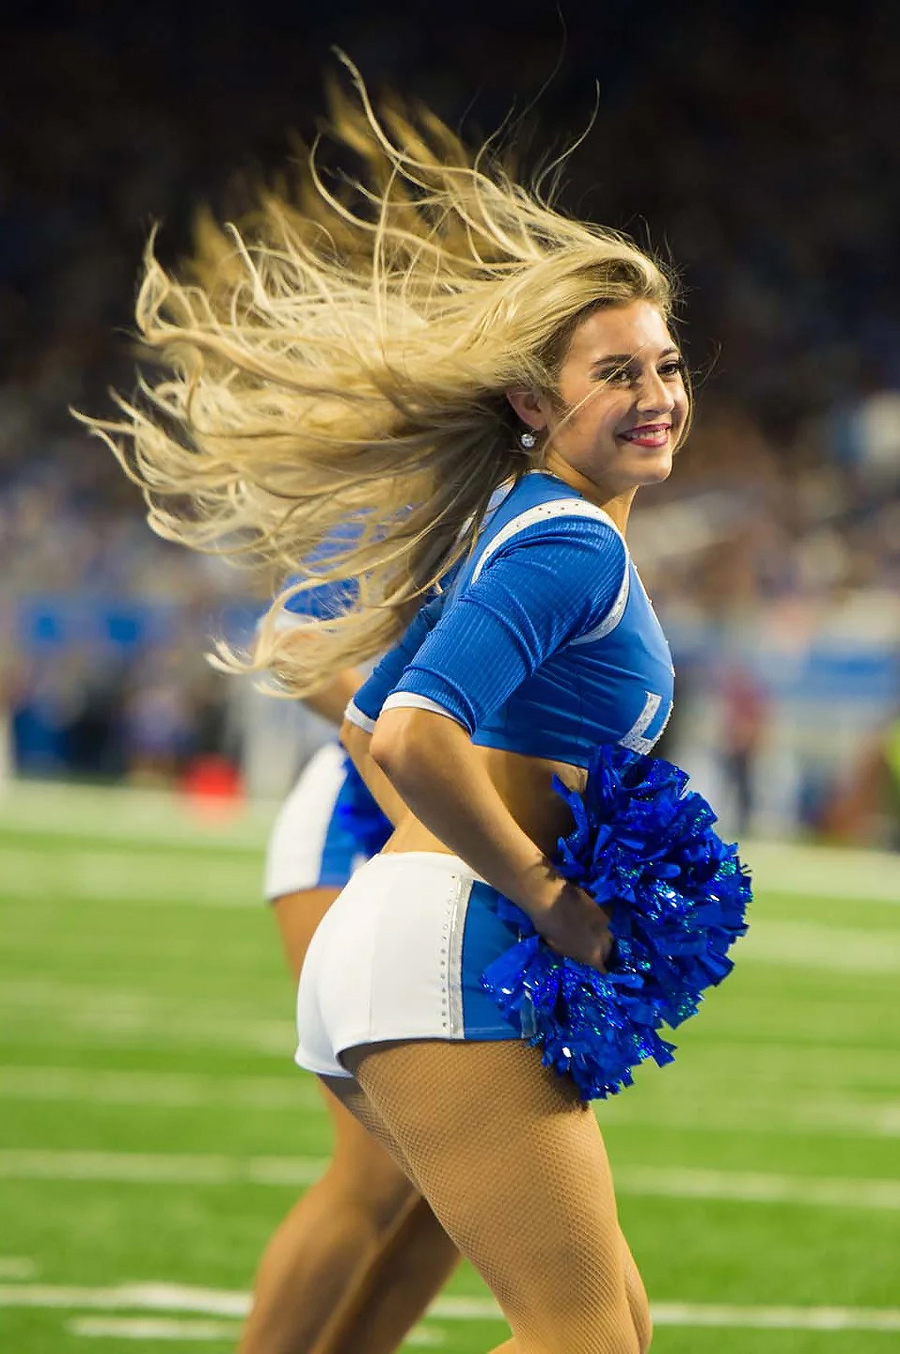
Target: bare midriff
{"type": "Point", "coordinates": [525, 784]}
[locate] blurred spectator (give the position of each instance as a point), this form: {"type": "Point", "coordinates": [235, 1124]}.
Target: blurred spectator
{"type": "Point", "coordinates": [735, 133]}
{"type": "Point", "coordinates": [157, 723]}
{"type": "Point", "coordinates": [864, 804]}
{"type": "Point", "coordinates": [744, 727]}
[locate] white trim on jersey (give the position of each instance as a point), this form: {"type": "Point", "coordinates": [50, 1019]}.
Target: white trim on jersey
{"type": "Point", "coordinates": [543, 512]}
{"type": "Point", "coordinates": [411, 700]}
{"type": "Point", "coordinates": [354, 715]}
{"type": "Point", "coordinates": [613, 616]}
{"type": "Point", "coordinates": [565, 507]}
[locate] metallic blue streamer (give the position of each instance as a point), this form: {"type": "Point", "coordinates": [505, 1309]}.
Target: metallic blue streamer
{"type": "Point", "coordinates": [645, 849]}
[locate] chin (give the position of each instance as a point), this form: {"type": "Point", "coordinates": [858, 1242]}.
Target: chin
{"type": "Point", "coordinates": [656, 474]}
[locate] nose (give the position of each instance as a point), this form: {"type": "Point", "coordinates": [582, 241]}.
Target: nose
{"type": "Point", "coordinates": [654, 395]}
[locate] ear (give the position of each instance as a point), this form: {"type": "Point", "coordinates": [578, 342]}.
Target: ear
{"type": "Point", "coordinates": [530, 408]}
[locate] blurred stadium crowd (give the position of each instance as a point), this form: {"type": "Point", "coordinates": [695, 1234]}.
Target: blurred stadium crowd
{"type": "Point", "coordinates": [755, 143]}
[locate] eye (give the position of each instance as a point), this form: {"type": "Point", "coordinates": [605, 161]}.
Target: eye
{"type": "Point", "coordinates": [674, 367]}
{"type": "Point", "coordinates": [616, 376]}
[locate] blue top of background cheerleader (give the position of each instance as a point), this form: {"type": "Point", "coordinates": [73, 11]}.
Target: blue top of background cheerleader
{"type": "Point", "coordinates": [546, 642]}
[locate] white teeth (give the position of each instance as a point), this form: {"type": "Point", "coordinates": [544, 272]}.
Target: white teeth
{"type": "Point", "coordinates": [650, 434]}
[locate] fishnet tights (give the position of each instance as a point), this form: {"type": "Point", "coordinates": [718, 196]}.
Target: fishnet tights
{"type": "Point", "coordinates": [515, 1169]}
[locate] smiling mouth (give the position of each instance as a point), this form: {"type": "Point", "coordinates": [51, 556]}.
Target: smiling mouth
{"type": "Point", "coordinates": [649, 435]}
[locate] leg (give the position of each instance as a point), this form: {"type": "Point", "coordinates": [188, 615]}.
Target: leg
{"type": "Point", "coordinates": [361, 1251]}
{"type": "Point", "coordinates": [354, 1264]}
{"type": "Point", "coordinates": [353, 1097]}
{"type": "Point", "coordinates": [405, 1266]}
{"type": "Point", "coordinates": [515, 1168]}
{"type": "Point", "coordinates": [298, 915]}
{"type": "Point", "coordinates": [638, 1304]}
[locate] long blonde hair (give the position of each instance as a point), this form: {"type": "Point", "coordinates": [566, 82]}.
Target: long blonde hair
{"type": "Point", "coordinates": [332, 399]}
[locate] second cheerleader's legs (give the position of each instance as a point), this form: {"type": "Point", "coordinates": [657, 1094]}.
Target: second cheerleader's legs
{"type": "Point", "coordinates": [515, 1168]}
{"type": "Point", "coordinates": [359, 1258]}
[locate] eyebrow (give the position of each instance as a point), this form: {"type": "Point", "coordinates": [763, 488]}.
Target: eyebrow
{"type": "Point", "coordinates": [622, 359]}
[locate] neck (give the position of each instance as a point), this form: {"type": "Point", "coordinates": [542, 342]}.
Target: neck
{"type": "Point", "coordinates": [617, 507]}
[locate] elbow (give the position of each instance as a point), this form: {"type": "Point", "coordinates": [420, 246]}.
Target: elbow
{"type": "Point", "coordinates": [408, 743]}
{"type": "Point", "coordinates": [384, 746]}
{"type": "Point", "coordinates": [397, 745]}
{"type": "Point", "coordinates": [354, 741]}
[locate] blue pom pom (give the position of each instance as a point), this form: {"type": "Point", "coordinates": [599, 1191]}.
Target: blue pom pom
{"type": "Point", "coordinates": [358, 813]}
{"type": "Point", "coordinates": [677, 896]}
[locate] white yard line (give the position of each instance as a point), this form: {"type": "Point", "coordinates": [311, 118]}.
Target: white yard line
{"type": "Point", "coordinates": [776, 1318]}
{"type": "Point", "coordinates": [140, 1168]}
{"type": "Point", "coordinates": [150, 1168]}
{"type": "Point", "coordinates": [113, 876]}
{"type": "Point", "coordinates": [169, 1090]}
{"type": "Point", "coordinates": [824, 871]}
{"type": "Point", "coordinates": [167, 1328]}
{"type": "Point", "coordinates": [758, 1114]}
{"type": "Point", "coordinates": [67, 1014]}
{"type": "Point", "coordinates": [100, 1017]}
{"type": "Point", "coordinates": [137, 1297]}
{"type": "Point", "coordinates": [152, 1328]}
{"type": "Point", "coordinates": [163, 818]}
{"type": "Point", "coordinates": [801, 1116]}
{"type": "Point", "coordinates": [185, 880]}
{"type": "Point", "coordinates": [758, 1187]}
{"type": "Point", "coordinates": [125, 813]}
{"type": "Point", "coordinates": [223, 1303]}
{"type": "Point", "coordinates": [833, 949]}
{"type": "Point", "coordinates": [17, 1267]}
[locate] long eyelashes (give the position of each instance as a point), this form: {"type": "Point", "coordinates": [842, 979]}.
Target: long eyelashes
{"type": "Point", "coordinates": [629, 376]}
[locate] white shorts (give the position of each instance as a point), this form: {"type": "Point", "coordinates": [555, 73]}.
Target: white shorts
{"type": "Point", "coordinates": [308, 847]}
{"type": "Point", "coordinates": [399, 955]}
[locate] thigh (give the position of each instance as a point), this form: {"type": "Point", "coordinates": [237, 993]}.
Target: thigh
{"type": "Point", "coordinates": [361, 1132]}
{"type": "Point", "coordinates": [297, 915]}
{"type": "Point", "coordinates": [515, 1168]}
{"type": "Point", "coordinates": [365, 1161]}
{"type": "Point", "coordinates": [636, 1294]}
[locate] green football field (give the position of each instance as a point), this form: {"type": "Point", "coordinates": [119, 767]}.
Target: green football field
{"type": "Point", "coordinates": [154, 1127]}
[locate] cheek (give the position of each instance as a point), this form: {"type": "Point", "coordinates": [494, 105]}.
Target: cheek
{"type": "Point", "coordinates": [611, 413]}
{"type": "Point", "coordinates": [598, 406]}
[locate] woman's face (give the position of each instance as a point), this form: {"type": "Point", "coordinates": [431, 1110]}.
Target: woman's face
{"type": "Point", "coordinates": [625, 404]}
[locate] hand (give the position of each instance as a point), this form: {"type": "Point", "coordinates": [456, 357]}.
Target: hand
{"type": "Point", "coordinates": [574, 925]}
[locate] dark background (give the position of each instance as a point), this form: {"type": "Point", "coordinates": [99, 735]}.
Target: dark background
{"type": "Point", "coordinates": [756, 144]}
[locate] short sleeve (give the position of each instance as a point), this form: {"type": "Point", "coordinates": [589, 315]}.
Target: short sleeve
{"type": "Point", "coordinates": [366, 705]}
{"type": "Point", "coordinates": [548, 586]}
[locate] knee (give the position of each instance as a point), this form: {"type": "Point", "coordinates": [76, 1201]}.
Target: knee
{"type": "Point", "coordinates": [582, 1325]}
{"type": "Point", "coordinates": [643, 1325]}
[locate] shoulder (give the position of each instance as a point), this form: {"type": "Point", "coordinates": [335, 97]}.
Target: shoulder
{"type": "Point", "coordinates": [563, 525]}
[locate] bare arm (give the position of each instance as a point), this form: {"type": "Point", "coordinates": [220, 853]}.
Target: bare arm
{"type": "Point", "coordinates": [330, 701]}
{"type": "Point", "coordinates": [430, 760]}
{"type": "Point", "coordinates": [358, 745]}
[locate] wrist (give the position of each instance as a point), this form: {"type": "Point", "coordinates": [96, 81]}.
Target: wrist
{"type": "Point", "coordinates": [541, 888]}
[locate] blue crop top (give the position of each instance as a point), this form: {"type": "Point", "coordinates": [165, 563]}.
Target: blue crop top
{"type": "Point", "coordinates": [546, 644]}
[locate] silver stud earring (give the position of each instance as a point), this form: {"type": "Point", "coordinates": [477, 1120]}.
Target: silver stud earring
{"type": "Point", "coordinates": [527, 439]}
